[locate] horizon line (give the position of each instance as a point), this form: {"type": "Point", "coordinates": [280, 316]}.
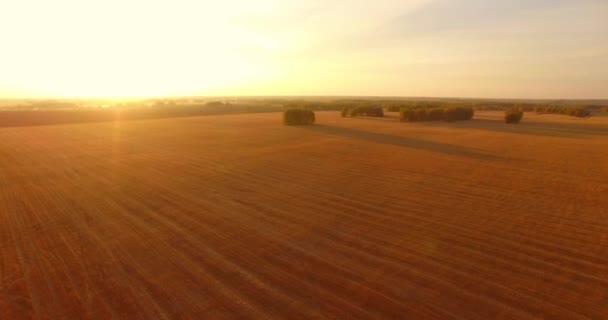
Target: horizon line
{"type": "Point", "coordinates": [38, 98]}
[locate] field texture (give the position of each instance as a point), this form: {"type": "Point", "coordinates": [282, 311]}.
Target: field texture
{"type": "Point", "coordinates": [239, 217]}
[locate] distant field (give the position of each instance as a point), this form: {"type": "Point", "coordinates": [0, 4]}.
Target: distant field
{"type": "Point", "coordinates": [237, 216]}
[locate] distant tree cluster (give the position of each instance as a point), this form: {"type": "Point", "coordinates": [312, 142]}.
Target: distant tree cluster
{"type": "Point", "coordinates": [311, 105]}
{"type": "Point", "coordinates": [363, 111]}
{"type": "Point", "coordinates": [418, 113]}
{"type": "Point", "coordinates": [492, 106]}
{"type": "Point", "coordinates": [396, 106]}
{"type": "Point", "coordinates": [216, 104]}
{"type": "Point", "coordinates": [514, 115]}
{"type": "Point", "coordinates": [412, 109]}
{"type": "Point", "coordinates": [577, 111]}
{"type": "Point", "coordinates": [393, 108]}
{"type": "Point", "coordinates": [298, 117]}
{"type": "Point", "coordinates": [386, 105]}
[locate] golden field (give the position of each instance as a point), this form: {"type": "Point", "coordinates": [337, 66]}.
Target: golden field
{"type": "Point", "coordinates": [239, 217]}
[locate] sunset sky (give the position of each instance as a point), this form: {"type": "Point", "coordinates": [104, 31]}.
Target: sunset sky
{"type": "Point", "coordinates": [466, 48]}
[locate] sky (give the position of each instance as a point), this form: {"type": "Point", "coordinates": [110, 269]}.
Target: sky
{"type": "Point", "coordinates": [435, 48]}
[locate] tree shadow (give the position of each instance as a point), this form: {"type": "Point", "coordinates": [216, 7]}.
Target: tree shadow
{"type": "Point", "coordinates": [546, 129]}
{"type": "Point", "coordinates": [387, 117]}
{"type": "Point", "coordinates": [405, 142]}
{"type": "Point", "coordinates": [535, 128]}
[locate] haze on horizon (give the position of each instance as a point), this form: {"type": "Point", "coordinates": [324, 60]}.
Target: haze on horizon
{"type": "Point", "coordinates": [467, 48]}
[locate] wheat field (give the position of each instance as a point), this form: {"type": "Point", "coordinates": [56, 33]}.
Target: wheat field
{"type": "Point", "coordinates": [239, 217]}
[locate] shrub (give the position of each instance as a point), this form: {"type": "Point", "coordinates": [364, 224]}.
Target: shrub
{"type": "Point", "coordinates": [412, 114]}
{"type": "Point", "coordinates": [375, 112]}
{"type": "Point", "coordinates": [345, 112]}
{"type": "Point", "coordinates": [298, 117]}
{"type": "Point", "coordinates": [405, 114]}
{"type": "Point", "coordinates": [450, 114]}
{"type": "Point", "coordinates": [469, 113]}
{"type": "Point", "coordinates": [458, 113]}
{"type": "Point", "coordinates": [435, 114]}
{"type": "Point", "coordinates": [513, 115]}
{"type": "Point", "coordinates": [420, 114]}
{"type": "Point", "coordinates": [580, 112]}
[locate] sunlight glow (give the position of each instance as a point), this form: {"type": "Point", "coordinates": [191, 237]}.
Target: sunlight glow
{"type": "Point", "coordinates": [134, 48]}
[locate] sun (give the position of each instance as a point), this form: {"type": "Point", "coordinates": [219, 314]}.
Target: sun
{"type": "Point", "coordinates": [116, 50]}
